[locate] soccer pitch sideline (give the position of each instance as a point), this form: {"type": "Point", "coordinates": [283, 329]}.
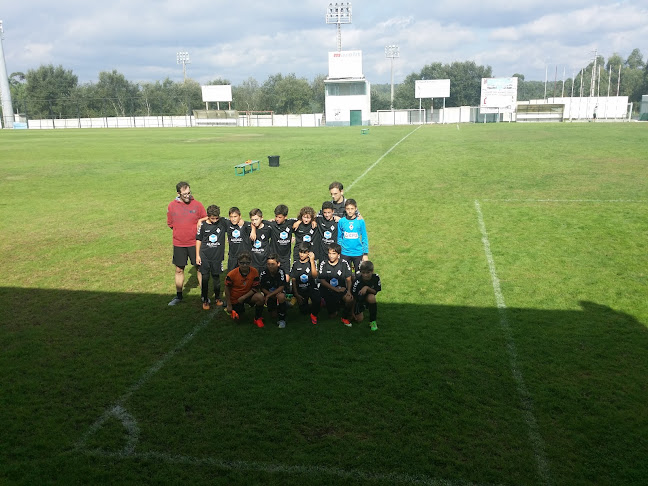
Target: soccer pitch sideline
{"type": "Point", "coordinates": [512, 347]}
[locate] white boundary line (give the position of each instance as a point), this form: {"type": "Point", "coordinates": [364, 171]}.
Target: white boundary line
{"type": "Point", "coordinates": [598, 201]}
{"type": "Point", "coordinates": [381, 157]}
{"type": "Point", "coordinates": [523, 392]}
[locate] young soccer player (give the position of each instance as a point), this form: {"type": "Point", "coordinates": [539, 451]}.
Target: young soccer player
{"type": "Point", "coordinates": [352, 236]}
{"type": "Point", "coordinates": [365, 287]}
{"type": "Point", "coordinates": [335, 284]}
{"type": "Point", "coordinates": [261, 236]}
{"type": "Point", "coordinates": [210, 252]}
{"type": "Point", "coordinates": [305, 228]}
{"type": "Point", "coordinates": [273, 282]}
{"type": "Point", "coordinates": [282, 231]}
{"type": "Point", "coordinates": [238, 237]}
{"type": "Point", "coordinates": [327, 230]}
{"type": "Point", "coordinates": [242, 287]}
{"type": "Point", "coordinates": [305, 287]}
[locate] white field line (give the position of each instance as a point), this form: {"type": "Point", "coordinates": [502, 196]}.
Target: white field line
{"type": "Point", "coordinates": [596, 201]}
{"type": "Point", "coordinates": [118, 410]}
{"type": "Point", "coordinates": [523, 392]}
{"type": "Point", "coordinates": [264, 467]}
{"type": "Point", "coordinates": [381, 157]}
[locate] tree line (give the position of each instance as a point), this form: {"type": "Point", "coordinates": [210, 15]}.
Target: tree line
{"type": "Point", "coordinates": [55, 92]}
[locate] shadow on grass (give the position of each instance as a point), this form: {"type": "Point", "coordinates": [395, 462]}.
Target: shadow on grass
{"type": "Point", "coordinates": [429, 396]}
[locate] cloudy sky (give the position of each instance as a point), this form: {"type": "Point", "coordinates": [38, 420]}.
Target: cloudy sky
{"type": "Point", "coordinates": [254, 38]}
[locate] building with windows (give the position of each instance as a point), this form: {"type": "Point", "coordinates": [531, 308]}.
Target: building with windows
{"type": "Point", "coordinates": [347, 98]}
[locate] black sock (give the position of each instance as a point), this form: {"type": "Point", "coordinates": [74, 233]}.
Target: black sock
{"type": "Point", "coordinates": [258, 311]}
{"type": "Point", "coordinates": [281, 313]}
{"type": "Point", "coordinates": [373, 310]}
{"type": "Point", "coordinates": [179, 295]}
{"type": "Point", "coordinates": [205, 287]}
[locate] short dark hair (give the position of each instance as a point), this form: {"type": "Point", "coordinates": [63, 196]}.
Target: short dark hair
{"type": "Point", "coordinates": [181, 185]}
{"type": "Point", "coordinates": [350, 202]}
{"type": "Point", "coordinates": [213, 210]}
{"type": "Point", "coordinates": [244, 255]}
{"type": "Point", "coordinates": [273, 256]}
{"type": "Point", "coordinates": [336, 247]}
{"type": "Point", "coordinates": [234, 210]}
{"type": "Point", "coordinates": [281, 209]}
{"type": "Point", "coordinates": [336, 185]}
{"type": "Point", "coordinates": [256, 212]}
{"type": "Point", "coordinates": [327, 205]}
{"type": "Point", "coordinates": [303, 247]}
{"type": "Point", "coordinates": [366, 266]}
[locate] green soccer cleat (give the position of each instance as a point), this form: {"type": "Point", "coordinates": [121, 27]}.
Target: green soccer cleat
{"type": "Point", "coordinates": [373, 325]}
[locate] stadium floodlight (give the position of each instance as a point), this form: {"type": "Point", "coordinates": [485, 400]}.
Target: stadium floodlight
{"type": "Point", "coordinates": [5, 92]}
{"type": "Point", "coordinates": [392, 52]}
{"type": "Point", "coordinates": [339, 13]}
{"type": "Point", "coordinates": [183, 58]}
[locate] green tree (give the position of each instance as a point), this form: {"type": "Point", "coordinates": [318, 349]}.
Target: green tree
{"type": "Point", "coordinates": [47, 90]}
{"type": "Point", "coordinates": [293, 95]}
{"type": "Point", "coordinates": [247, 95]}
{"type": "Point", "coordinates": [318, 94]}
{"type": "Point", "coordinates": [635, 60]}
{"type": "Point", "coordinates": [117, 92]}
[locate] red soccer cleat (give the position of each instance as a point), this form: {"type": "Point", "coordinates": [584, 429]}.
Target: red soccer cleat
{"type": "Point", "coordinates": [259, 322]}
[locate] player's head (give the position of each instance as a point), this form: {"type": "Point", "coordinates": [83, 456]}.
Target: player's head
{"type": "Point", "coordinates": [304, 249]}
{"type": "Point", "coordinates": [337, 191]}
{"type": "Point", "coordinates": [213, 213]}
{"type": "Point", "coordinates": [366, 270]}
{"type": "Point", "coordinates": [256, 216]}
{"type": "Point", "coordinates": [327, 210]}
{"type": "Point", "coordinates": [281, 212]}
{"type": "Point", "coordinates": [334, 252]}
{"type": "Point", "coordinates": [234, 215]}
{"type": "Point", "coordinates": [350, 207]}
{"type": "Point", "coordinates": [272, 263]}
{"type": "Point", "coordinates": [306, 214]}
{"type": "Point", "coordinates": [244, 261]}
{"type": "Point", "coordinates": [184, 191]}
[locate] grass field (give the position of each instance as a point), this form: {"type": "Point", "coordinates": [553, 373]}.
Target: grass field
{"type": "Point", "coordinates": [513, 340]}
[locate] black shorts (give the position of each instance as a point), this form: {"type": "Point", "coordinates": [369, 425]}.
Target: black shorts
{"type": "Point", "coordinates": [182, 253]}
{"type": "Point", "coordinates": [285, 265]}
{"type": "Point", "coordinates": [333, 299]}
{"type": "Point", "coordinates": [273, 303]}
{"type": "Point", "coordinates": [354, 262]}
{"type": "Point", "coordinates": [212, 267]}
{"type": "Point", "coordinates": [239, 307]}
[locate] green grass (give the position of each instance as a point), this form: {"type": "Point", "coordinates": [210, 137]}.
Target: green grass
{"type": "Point", "coordinates": [430, 397]}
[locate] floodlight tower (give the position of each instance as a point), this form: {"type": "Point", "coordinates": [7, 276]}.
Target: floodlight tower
{"type": "Point", "coordinates": [5, 92]}
{"type": "Point", "coordinates": [392, 52]}
{"type": "Point", "coordinates": [183, 58]}
{"type": "Point", "coordinates": [339, 13]}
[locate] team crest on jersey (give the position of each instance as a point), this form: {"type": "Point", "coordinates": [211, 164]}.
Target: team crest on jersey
{"type": "Point", "coordinates": [350, 226]}
{"type": "Point", "coordinates": [334, 282]}
{"type": "Point", "coordinates": [283, 235]}
{"type": "Point", "coordinates": [327, 235]}
{"type": "Point", "coordinates": [212, 238]}
{"type": "Point", "coordinates": [257, 244]}
{"type": "Point", "coordinates": [339, 272]}
{"type": "Point", "coordinates": [304, 278]}
{"type": "Point", "coordinates": [263, 236]}
{"type": "Point", "coordinates": [307, 238]}
{"type": "Point", "coordinates": [236, 233]}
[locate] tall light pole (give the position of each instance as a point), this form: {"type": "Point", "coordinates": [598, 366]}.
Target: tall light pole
{"type": "Point", "coordinates": [183, 58]}
{"type": "Point", "coordinates": [392, 52]}
{"type": "Point", "coordinates": [5, 92]}
{"type": "Point", "coordinates": [339, 13]}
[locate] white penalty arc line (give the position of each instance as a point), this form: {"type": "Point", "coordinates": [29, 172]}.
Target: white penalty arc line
{"type": "Point", "coordinates": [381, 157]}
{"type": "Point", "coordinates": [523, 392]}
{"type": "Point", "coordinates": [118, 410]}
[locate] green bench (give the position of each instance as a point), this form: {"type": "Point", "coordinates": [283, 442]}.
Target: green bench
{"type": "Point", "coordinates": [247, 167]}
{"type": "Point", "coordinates": [364, 131]}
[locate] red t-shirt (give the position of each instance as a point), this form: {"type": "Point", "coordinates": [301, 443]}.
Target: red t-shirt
{"type": "Point", "coordinates": [183, 219]}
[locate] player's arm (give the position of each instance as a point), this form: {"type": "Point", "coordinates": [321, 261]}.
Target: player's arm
{"type": "Point", "coordinates": [198, 245]}
{"type": "Point", "coordinates": [296, 293]}
{"type": "Point", "coordinates": [228, 291]}
{"type": "Point", "coordinates": [314, 272]}
{"type": "Point", "coordinates": [365, 242]}
{"type": "Point", "coordinates": [169, 217]}
{"type": "Point", "coordinates": [348, 282]}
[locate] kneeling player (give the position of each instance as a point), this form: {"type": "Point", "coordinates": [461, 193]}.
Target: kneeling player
{"type": "Point", "coordinates": [335, 284]}
{"type": "Point", "coordinates": [303, 276]}
{"type": "Point", "coordinates": [273, 281]}
{"type": "Point", "coordinates": [242, 287]}
{"type": "Point", "coordinates": [365, 287]}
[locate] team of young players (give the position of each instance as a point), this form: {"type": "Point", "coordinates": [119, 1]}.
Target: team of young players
{"type": "Point", "coordinates": [259, 255]}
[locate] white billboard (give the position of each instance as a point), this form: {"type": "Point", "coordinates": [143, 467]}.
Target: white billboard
{"type": "Point", "coordinates": [219, 92]}
{"type": "Point", "coordinates": [432, 88]}
{"type": "Point", "coordinates": [498, 95]}
{"type": "Point", "coordinates": [345, 64]}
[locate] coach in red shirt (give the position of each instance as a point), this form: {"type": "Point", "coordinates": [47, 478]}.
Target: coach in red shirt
{"type": "Point", "coordinates": [183, 215]}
